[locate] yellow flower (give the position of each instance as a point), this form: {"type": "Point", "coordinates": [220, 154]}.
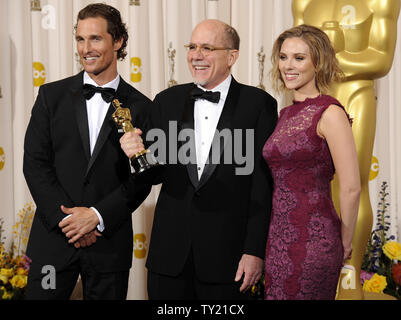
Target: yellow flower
{"type": "Point", "coordinates": [22, 271]}
{"type": "Point", "coordinates": [4, 279]}
{"type": "Point", "coordinates": [392, 250]}
{"type": "Point", "coordinates": [19, 281]}
{"type": "Point", "coordinates": [7, 272]}
{"type": "Point", "coordinates": [376, 284]}
{"type": "Point", "coordinates": [6, 295]}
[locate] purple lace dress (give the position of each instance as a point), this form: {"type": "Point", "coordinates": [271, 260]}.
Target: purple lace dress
{"type": "Point", "coordinates": [304, 250]}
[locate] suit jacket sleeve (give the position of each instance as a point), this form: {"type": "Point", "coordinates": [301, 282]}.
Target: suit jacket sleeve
{"type": "Point", "coordinates": [38, 167]}
{"type": "Point", "coordinates": [132, 192]}
{"type": "Point", "coordinates": [262, 186]}
{"type": "Point", "coordinates": [153, 122]}
{"type": "Point", "coordinates": [126, 198]}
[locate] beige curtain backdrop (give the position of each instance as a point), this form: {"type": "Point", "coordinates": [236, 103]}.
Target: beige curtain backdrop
{"type": "Point", "coordinates": [37, 47]}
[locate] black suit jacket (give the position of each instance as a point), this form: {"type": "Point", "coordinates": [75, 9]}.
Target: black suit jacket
{"type": "Point", "coordinates": [224, 215]}
{"type": "Point", "coordinates": [59, 170]}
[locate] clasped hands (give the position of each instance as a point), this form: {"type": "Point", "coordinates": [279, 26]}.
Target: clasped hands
{"type": "Point", "coordinates": [80, 226]}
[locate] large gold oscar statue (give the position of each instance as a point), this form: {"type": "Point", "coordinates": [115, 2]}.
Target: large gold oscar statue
{"type": "Point", "coordinates": [363, 33]}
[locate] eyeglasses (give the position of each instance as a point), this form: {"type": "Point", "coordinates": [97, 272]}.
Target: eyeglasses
{"type": "Point", "coordinates": [205, 49]}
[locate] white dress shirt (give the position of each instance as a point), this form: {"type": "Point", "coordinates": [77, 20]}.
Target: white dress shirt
{"type": "Point", "coordinates": [206, 118]}
{"type": "Point", "coordinates": [97, 109]}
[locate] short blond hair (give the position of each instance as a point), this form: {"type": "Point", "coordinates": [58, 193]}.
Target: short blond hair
{"type": "Point", "coordinates": [322, 54]}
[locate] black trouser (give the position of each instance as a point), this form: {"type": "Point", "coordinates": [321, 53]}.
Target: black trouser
{"type": "Point", "coordinates": [187, 286]}
{"type": "Point", "coordinates": [96, 286]}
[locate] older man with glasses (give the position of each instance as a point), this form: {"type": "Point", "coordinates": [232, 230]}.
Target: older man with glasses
{"type": "Point", "coordinates": [211, 221]}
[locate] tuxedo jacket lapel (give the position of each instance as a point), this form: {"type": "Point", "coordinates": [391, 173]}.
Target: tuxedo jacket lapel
{"type": "Point", "coordinates": [79, 103]}
{"type": "Point", "coordinates": [108, 123]}
{"type": "Point", "coordinates": [189, 123]}
{"type": "Point", "coordinates": [102, 137]}
{"type": "Point", "coordinates": [225, 122]}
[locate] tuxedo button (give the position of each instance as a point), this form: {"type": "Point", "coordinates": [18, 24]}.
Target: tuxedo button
{"type": "Point", "coordinates": [86, 182]}
{"type": "Point", "coordinates": [197, 194]}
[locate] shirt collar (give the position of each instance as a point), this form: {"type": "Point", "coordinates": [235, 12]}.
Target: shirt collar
{"type": "Point", "coordinates": [112, 84]}
{"type": "Point", "coordinates": [223, 87]}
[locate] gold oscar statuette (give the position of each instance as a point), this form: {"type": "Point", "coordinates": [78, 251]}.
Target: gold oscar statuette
{"type": "Point", "coordinates": [35, 5]}
{"type": "Point", "coordinates": [261, 60]}
{"type": "Point", "coordinates": [171, 56]}
{"type": "Point", "coordinates": [134, 3]}
{"type": "Point", "coordinates": [143, 162]}
{"type": "Point", "coordinates": [363, 34]}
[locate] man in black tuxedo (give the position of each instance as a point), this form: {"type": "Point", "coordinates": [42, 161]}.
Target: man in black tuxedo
{"type": "Point", "coordinates": [77, 172]}
{"type": "Point", "coordinates": [212, 214]}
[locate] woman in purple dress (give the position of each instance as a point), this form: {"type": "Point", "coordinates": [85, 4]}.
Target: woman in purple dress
{"type": "Point", "coordinates": [308, 242]}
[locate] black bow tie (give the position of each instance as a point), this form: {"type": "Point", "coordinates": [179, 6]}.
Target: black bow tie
{"type": "Point", "coordinates": [107, 93]}
{"type": "Point", "coordinates": [197, 93]}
